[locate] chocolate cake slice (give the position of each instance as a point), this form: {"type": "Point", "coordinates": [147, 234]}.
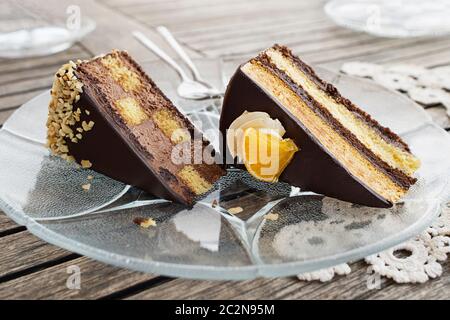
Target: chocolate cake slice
{"type": "Point", "coordinates": [342, 151]}
{"type": "Point", "coordinates": [106, 113]}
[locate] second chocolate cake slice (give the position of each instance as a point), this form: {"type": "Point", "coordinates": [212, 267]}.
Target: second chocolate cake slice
{"type": "Point", "coordinates": [107, 114]}
{"type": "Point", "coordinates": [332, 147]}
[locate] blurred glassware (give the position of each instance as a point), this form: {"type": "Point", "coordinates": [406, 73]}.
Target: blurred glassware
{"type": "Point", "coordinates": [392, 18]}
{"type": "Point", "coordinates": [36, 29]}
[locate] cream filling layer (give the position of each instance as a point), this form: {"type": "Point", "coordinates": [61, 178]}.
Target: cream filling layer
{"type": "Point", "coordinates": [337, 146]}
{"type": "Point", "coordinates": [391, 154]}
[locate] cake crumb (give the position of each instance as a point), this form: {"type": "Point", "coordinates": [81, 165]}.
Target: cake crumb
{"type": "Point", "coordinates": [89, 177]}
{"type": "Point", "coordinates": [271, 216]}
{"type": "Point", "coordinates": [144, 222]}
{"type": "Point", "coordinates": [235, 210]}
{"type": "Point", "coordinates": [214, 203]}
{"type": "Point", "coordinates": [87, 125]}
{"type": "Point", "coordinates": [86, 164]}
{"type": "Point", "coordinates": [86, 187]}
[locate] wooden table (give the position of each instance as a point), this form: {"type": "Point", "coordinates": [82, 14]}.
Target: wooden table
{"type": "Point", "coordinates": [31, 268]}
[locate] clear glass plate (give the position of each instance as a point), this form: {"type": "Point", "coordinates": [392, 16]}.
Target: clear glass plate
{"type": "Point", "coordinates": [312, 232]}
{"type": "Point", "coordinates": [392, 18]}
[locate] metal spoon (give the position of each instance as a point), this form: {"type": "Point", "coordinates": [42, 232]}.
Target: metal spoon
{"type": "Point", "coordinates": [188, 88]}
{"type": "Point", "coordinates": [167, 35]}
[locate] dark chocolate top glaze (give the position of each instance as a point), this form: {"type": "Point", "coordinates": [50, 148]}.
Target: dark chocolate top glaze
{"type": "Point", "coordinates": [312, 168]}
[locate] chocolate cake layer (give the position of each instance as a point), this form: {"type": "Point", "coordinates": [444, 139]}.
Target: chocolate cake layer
{"type": "Point", "coordinates": [122, 125]}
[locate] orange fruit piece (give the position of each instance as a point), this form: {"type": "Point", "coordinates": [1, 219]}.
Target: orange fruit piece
{"type": "Point", "coordinates": [266, 154]}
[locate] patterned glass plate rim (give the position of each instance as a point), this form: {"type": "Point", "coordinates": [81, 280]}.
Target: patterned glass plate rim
{"type": "Point", "coordinates": [186, 270]}
{"type": "Point", "coordinates": [215, 272]}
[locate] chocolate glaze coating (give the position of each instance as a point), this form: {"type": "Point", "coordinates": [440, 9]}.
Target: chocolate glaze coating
{"type": "Point", "coordinates": [312, 168]}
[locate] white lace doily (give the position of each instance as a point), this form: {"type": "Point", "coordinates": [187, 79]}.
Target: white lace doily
{"type": "Point", "coordinates": [423, 255]}
{"type": "Point", "coordinates": [327, 274]}
{"type": "Point", "coordinates": [425, 252]}
{"type": "Point", "coordinates": [426, 86]}
{"type": "Point", "coordinates": [421, 260]}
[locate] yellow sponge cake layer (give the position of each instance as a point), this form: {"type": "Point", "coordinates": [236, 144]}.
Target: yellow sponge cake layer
{"type": "Point", "coordinates": [130, 110]}
{"type": "Point", "coordinates": [128, 79]}
{"type": "Point", "coordinates": [194, 180]}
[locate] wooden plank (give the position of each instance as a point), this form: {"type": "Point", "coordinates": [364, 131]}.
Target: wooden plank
{"type": "Point", "coordinates": [5, 114]}
{"type": "Point", "coordinates": [23, 79]}
{"type": "Point", "coordinates": [6, 223]}
{"type": "Point", "coordinates": [248, 29]}
{"type": "Point", "coordinates": [223, 12]}
{"type": "Point", "coordinates": [119, 4]}
{"type": "Point", "coordinates": [97, 280]}
{"type": "Point", "coordinates": [168, 7]}
{"type": "Point", "coordinates": [335, 39]}
{"type": "Point", "coordinates": [225, 29]}
{"type": "Point", "coordinates": [430, 59]}
{"type": "Point", "coordinates": [426, 59]}
{"type": "Point", "coordinates": [223, 19]}
{"type": "Point", "coordinates": [122, 3]}
{"type": "Point", "coordinates": [171, 8]}
{"type": "Point", "coordinates": [114, 31]}
{"type": "Point", "coordinates": [209, 37]}
{"type": "Point", "coordinates": [409, 53]}
{"type": "Point", "coordinates": [21, 75]}
{"type": "Point", "coordinates": [299, 29]}
{"type": "Point", "coordinates": [361, 51]}
{"type": "Point", "coordinates": [277, 288]}
{"type": "Point", "coordinates": [352, 286]}
{"type": "Point", "coordinates": [196, 289]}
{"type": "Point", "coordinates": [342, 287]}
{"type": "Point", "coordinates": [76, 52]}
{"type": "Point", "coordinates": [16, 88]}
{"type": "Point", "coordinates": [240, 42]}
{"type": "Point", "coordinates": [21, 251]}
{"type": "Point", "coordinates": [16, 100]}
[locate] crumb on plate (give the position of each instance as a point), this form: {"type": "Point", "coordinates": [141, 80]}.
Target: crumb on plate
{"type": "Point", "coordinates": [144, 222]}
{"type": "Point", "coordinates": [271, 216]}
{"type": "Point", "coordinates": [235, 210]}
